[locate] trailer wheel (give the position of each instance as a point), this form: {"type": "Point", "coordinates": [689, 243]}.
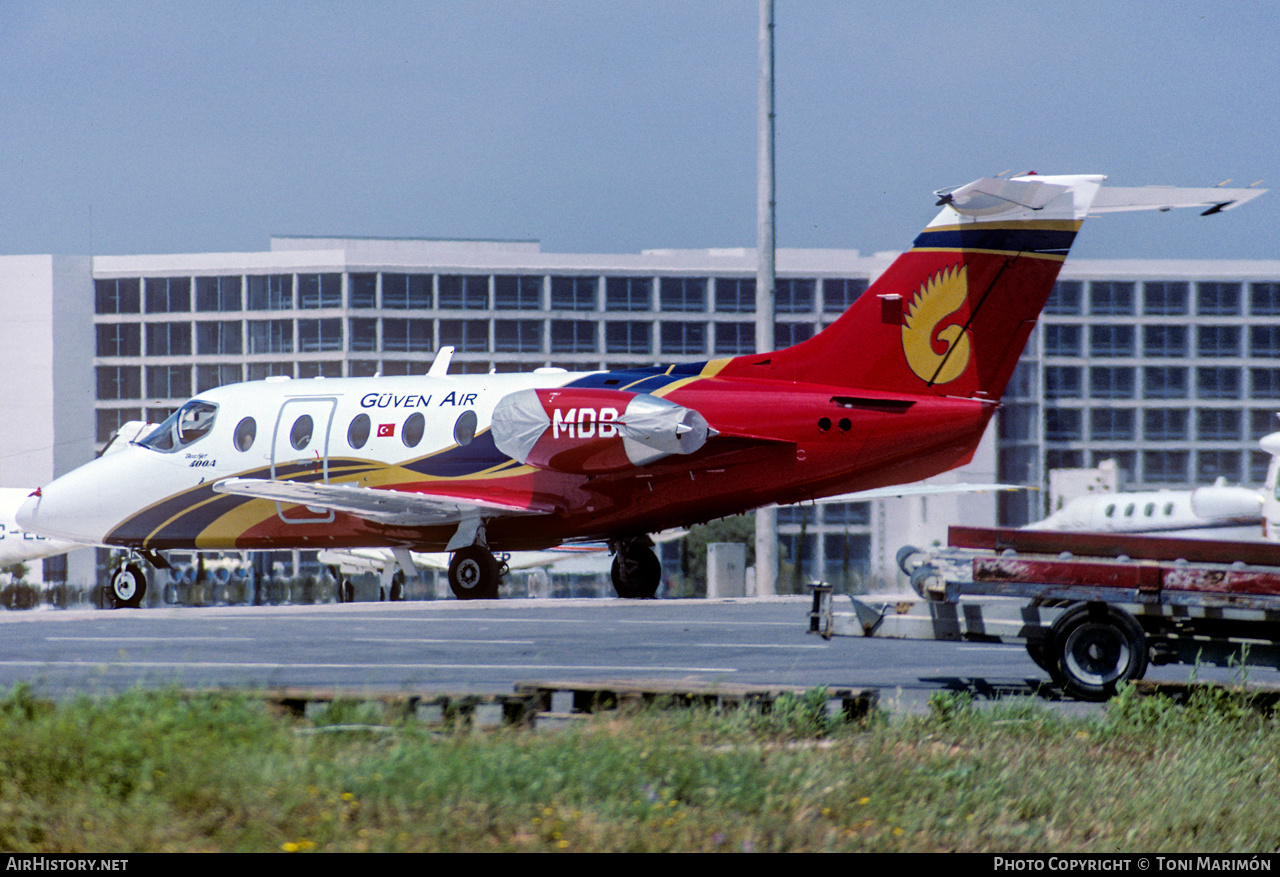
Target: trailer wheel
{"type": "Point", "coordinates": [1039, 652]}
{"type": "Point", "coordinates": [909, 557]}
{"type": "Point", "coordinates": [1095, 647]}
{"type": "Point", "coordinates": [926, 582]}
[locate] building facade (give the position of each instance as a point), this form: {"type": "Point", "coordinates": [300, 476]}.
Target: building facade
{"type": "Point", "coordinates": [1172, 369]}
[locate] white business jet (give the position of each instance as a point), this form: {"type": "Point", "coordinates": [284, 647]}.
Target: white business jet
{"type": "Point", "coordinates": [901, 387]}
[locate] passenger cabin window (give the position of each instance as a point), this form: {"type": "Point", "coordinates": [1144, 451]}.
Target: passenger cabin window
{"type": "Point", "coordinates": [414, 427]}
{"type": "Point", "coordinates": [300, 435]}
{"type": "Point", "coordinates": [187, 425]}
{"type": "Point", "coordinates": [358, 431]}
{"type": "Point", "coordinates": [246, 432]}
{"type": "Point", "coordinates": [464, 429]}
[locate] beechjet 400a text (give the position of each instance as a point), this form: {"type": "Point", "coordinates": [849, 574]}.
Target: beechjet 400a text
{"type": "Point", "coordinates": [899, 388]}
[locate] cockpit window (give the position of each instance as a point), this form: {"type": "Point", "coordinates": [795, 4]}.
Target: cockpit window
{"type": "Point", "coordinates": [187, 425]}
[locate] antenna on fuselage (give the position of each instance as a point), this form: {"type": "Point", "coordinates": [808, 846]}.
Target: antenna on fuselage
{"type": "Point", "coordinates": [440, 366]}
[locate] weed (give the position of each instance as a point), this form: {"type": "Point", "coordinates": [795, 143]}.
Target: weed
{"type": "Point", "coordinates": [948, 707]}
{"type": "Point", "coordinates": [167, 771]}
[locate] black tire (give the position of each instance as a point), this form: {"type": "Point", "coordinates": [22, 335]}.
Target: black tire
{"type": "Point", "coordinates": [397, 586]}
{"type": "Point", "coordinates": [346, 591]}
{"type": "Point", "coordinates": [474, 574]}
{"type": "Point", "coordinates": [128, 586]}
{"type": "Point", "coordinates": [636, 574]}
{"type": "Point", "coordinates": [1095, 647]}
{"type": "Point", "coordinates": [1039, 652]}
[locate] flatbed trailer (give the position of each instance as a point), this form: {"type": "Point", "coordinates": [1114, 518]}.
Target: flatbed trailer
{"type": "Point", "coordinates": [1092, 609]}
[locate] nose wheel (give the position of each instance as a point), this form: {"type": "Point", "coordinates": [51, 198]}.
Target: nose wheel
{"type": "Point", "coordinates": [128, 586]}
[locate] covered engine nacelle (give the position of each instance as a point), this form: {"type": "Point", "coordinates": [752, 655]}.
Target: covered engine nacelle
{"type": "Point", "coordinates": [1227, 503]}
{"type": "Point", "coordinates": [590, 431]}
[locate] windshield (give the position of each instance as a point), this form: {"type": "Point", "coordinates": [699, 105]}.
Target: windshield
{"type": "Point", "coordinates": [188, 424]}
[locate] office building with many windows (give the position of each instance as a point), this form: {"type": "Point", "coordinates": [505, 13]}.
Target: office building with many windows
{"type": "Point", "coordinates": [1170, 368]}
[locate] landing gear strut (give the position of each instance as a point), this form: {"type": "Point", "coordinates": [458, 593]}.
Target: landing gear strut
{"type": "Point", "coordinates": [636, 572]}
{"type": "Point", "coordinates": [474, 573]}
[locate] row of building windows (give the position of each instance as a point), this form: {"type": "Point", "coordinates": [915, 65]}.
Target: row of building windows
{"type": "Point", "coordinates": [1160, 382]}
{"type": "Point", "coordinates": [273, 292]}
{"type": "Point", "coordinates": [1173, 468]}
{"type": "Point", "coordinates": [412, 335]}
{"type": "Point", "coordinates": [1159, 424]}
{"type": "Point", "coordinates": [1161, 340]}
{"type": "Point", "coordinates": [1163, 298]}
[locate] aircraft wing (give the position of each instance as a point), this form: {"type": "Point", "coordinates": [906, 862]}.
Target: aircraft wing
{"type": "Point", "coordinates": [382, 505]}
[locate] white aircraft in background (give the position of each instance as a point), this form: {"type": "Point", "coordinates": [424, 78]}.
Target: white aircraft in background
{"type": "Point", "coordinates": [1219, 511]}
{"type": "Point", "coordinates": [1271, 489]}
{"type": "Point", "coordinates": [901, 387]}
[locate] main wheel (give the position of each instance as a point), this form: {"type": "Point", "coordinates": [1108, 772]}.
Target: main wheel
{"type": "Point", "coordinates": [1095, 647]}
{"type": "Point", "coordinates": [474, 574]}
{"type": "Point", "coordinates": [128, 586]}
{"type": "Point", "coordinates": [397, 586]}
{"type": "Point", "coordinates": [636, 574]}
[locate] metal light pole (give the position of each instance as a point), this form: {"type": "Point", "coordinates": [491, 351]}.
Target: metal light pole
{"type": "Point", "coordinates": [766, 519]}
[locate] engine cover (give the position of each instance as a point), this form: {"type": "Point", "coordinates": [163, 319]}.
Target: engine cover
{"type": "Point", "coordinates": [589, 431]}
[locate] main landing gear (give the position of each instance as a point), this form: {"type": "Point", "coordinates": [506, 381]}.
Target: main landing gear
{"type": "Point", "coordinates": [474, 573]}
{"type": "Point", "coordinates": [636, 572]}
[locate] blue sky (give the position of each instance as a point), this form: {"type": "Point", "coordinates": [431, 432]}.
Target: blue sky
{"type": "Point", "coordinates": [610, 126]}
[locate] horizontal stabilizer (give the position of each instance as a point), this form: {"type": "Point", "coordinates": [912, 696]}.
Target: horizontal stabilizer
{"type": "Point", "coordinates": [1216, 199]}
{"type": "Point", "coordinates": [382, 506]}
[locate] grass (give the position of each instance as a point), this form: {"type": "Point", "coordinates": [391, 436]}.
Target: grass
{"type": "Point", "coordinates": [165, 771]}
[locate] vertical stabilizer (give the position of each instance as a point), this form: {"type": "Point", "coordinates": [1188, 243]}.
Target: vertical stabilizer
{"type": "Point", "coordinates": [952, 315]}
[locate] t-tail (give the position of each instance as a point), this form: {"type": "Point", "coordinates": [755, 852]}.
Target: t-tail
{"type": "Point", "coordinates": [951, 316]}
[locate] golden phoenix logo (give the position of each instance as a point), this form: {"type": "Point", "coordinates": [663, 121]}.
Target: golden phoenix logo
{"type": "Point", "coordinates": [941, 296]}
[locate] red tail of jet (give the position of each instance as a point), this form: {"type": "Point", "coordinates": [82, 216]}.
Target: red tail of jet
{"type": "Point", "coordinates": [951, 316]}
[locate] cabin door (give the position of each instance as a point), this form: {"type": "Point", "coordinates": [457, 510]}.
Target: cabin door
{"type": "Point", "coordinates": [300, 451]}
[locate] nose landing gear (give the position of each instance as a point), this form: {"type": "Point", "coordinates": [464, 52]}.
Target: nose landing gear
{"type": "Point", "coordinates": [128, 586]}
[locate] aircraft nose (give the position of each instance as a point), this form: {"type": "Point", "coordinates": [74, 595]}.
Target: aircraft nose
{"type": "Point", "coordinates": [72, 507]}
